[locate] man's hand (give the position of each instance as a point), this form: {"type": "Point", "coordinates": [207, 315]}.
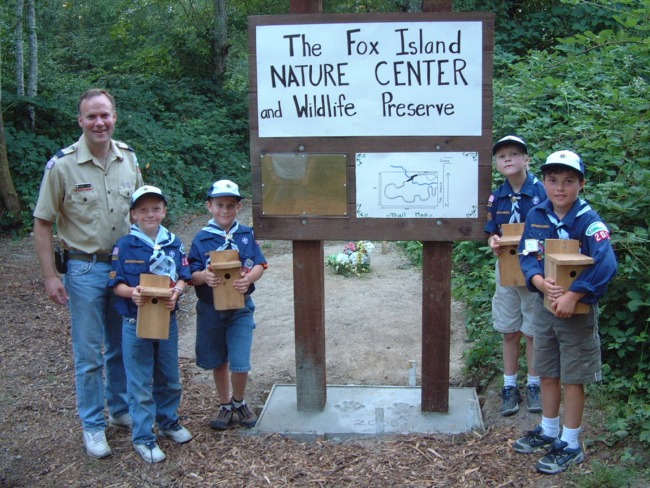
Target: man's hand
{"type": "Point", "coordinates": [55, 290]}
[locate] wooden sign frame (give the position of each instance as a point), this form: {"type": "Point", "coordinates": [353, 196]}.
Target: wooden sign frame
{"type": "Point", "coordinates": [349, 226]}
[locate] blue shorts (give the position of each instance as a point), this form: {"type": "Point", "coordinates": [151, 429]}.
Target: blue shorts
{"type": "Point", "coordinates": [224, 336]}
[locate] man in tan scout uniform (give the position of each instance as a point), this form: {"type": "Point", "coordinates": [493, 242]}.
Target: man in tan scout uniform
{"type": "Point", "coordinates": [86, 190]}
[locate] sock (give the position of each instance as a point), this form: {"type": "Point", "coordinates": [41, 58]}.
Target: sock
{"type": "Point", "coordinates": [509, 380]}
{"type": "Point", "coordinates": [570, 436]}
{"type": "Point", "coordinates": [550, 427]}
{"type": "Point", "coordinates": [227, 406]}
{"type": "Point", "coordinates": [237, 403]}
{"type": "Point", "coordinates": [534, 380]}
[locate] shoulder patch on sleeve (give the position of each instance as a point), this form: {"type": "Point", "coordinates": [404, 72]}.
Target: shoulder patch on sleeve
{"type": "Point", "coordinates": [599, 230]}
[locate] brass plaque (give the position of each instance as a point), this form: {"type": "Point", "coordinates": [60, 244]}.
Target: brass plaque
{"type": "Point", "coordinates": [304, 184]}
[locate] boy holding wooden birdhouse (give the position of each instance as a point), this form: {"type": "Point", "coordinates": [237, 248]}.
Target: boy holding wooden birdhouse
{"type": "Point", "coordinates": [512, 304]}
{"type": "Point", "coordinates": [567, 344]}
{"type": "Point", "coordinates": [224, 334]}
{"type": "Point", "coordinates": [150, 248]}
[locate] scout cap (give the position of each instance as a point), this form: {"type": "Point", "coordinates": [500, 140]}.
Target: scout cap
{"type": "Point", "coordinates": [224, 188]}
{"type": "Point", "coordinates": [147, 190]}
{"type": "Point", "coordinates": [514, 140]}
{"type": "Point", "coordinates": [565, 158]}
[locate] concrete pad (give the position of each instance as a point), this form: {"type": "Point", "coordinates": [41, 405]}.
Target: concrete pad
{"type": "Point", "coordinates": [353, 410]}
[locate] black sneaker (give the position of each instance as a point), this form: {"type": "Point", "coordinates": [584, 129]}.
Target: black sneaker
{"type": "Point", "coordinates": [559, 458]}
{"type": "Point", "coordinates": [534, 398]}
{"type": "Point", "coordinates": [246, 417]}
{"type": "Point", "coordinates": [533, 441]}
{"type": "Point", "coordinates": [222, 420]}
{"type": "Point", "coordinates": [511, 400]}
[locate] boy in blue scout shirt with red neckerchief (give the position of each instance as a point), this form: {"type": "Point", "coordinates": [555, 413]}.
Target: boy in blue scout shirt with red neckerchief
{"type": "Point", "coordinates": [224, 338]}
{"type": "Point", "coordinates": [513, 306]}
{"type": "Point", "coordinates": [150, 248]}
{"type": "Point", "coordinates": [567, 346]}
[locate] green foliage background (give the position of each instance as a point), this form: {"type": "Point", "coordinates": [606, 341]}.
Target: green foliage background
{"type": "Point", "coordinates": [568, 74]}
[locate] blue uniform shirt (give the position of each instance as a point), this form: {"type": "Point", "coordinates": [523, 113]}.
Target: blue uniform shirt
{"type": "Point", "coordinates": [206, 242]}
{"type": "Point", "coordinates": [501, 208]}
{"type": "Point", "coordinates": [131, 258]}
{"type": "Point", "coordinates": [583, 224]}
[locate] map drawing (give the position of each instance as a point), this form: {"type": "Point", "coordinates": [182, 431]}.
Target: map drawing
{"type": "Point", "coordinates": [417, 185]}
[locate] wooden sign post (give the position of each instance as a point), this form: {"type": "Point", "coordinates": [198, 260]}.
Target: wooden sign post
{"type": "Point", "coordinates": [374, 127]}
{"type": "Point", "coordinates": [509, 270]}
{"type": "Point", "coordinates": [564, 263]}
{"type": "Point", "coordinates": [153, 316]}
{"type": "Point", "coordinates": [227, 265]}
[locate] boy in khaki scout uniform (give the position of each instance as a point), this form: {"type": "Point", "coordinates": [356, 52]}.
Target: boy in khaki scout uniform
{"type": "Point", "coordinates": [86, 190]}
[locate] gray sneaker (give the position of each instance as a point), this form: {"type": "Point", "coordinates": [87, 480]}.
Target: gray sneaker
{"type": "Point", "coordinates": [246, 417]}
{"type": "Point", "coordinates": [533, 441]}
{"type": "Point", "coordinates": [511, 400]}
{"type": "Point", "coordinates": [96, 444]}
{"type": "Point", "coordinates": [123, 422]}
{"type": "Point", "coordinates": [222, 420]}
{"type": "Point", "coordinates": [559, 458]}
{"type": "Point", "coordinates": [534, 398]}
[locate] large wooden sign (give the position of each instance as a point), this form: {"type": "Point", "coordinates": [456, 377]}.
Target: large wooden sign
{"type": "Point", "coordinates": [372, 126]}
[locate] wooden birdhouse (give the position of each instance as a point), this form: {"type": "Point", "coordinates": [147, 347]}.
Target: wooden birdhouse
{"type": "Point", "coordinates": [564, 263]}
{"type": "Point", "coordinates": [153, 316]}
{"type": "Point", "coordinates": [509, 269]}
{"type": "Point", "coordinates": [227, 265]}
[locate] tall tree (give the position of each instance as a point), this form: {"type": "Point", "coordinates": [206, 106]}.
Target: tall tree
{"type": "Point", "coordinates": [220, 39]}
{"type": "Point", "coordinates": [9, 199]}
{"type": "Point", "coordinates": [32, 76]}
{"type": "Point", "coordinates": [19, 48]}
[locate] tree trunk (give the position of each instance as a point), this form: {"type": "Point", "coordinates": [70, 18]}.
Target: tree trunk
{"type": "Point", "coordinates": [32, 78]}
{"type": "Point", "coordinates": [8, 197]}
{"type": "Point", "coordinates": [19, 46]}
{"type": "Point", "coordinates": [221, 45]}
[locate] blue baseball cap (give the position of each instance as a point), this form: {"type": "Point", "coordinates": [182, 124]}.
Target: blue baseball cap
{"type": "Point", "coordinates": [565, 158]}
{"type": "Point", "coordinates": [510, 140]}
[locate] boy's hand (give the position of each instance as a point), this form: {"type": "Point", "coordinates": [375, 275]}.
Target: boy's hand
{"type": "Point", "coordinates": [565, 305]}
{"type": "Point", "coordinates": [548, 287]}
{"type": "Point", "coordinates": [211, 279]}
{"type": "Point", "coordinates": [493, 242]}
{"type": "Point", "coordinates": [170, 302]}
{"type": "Point", "coordinates": [136, 296]}
{"type": "Point", "coordinates": [242, 284]}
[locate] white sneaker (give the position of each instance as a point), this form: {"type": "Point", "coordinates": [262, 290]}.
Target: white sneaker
{"type": "Point", "coordinates": [123, 422]}
{"type": "Point", "coordinates": [96, 444]}
{"type": "Point", "coordinates": [177, 433]}
{"type": "Point", "coordinates": [150, 452]}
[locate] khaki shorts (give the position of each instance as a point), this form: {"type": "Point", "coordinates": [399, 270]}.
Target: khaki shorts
{"type": "Point", "coordinates": [513, 308]}
{"type": "Point", "coordinates": [569, 348]}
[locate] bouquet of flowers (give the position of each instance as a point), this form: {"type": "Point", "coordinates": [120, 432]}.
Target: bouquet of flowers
{"type": "Point", "coordinates": [354, 260]}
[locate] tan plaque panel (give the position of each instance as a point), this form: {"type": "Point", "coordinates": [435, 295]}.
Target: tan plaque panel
{"type": "Point", "coordinates": [304, 184]}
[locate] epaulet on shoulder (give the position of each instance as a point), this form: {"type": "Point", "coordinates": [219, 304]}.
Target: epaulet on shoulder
{"type": "Point", "coordinates": [59, 154]}
{"type": "Point", "coordinates": [123, 145]}
{"type": "Point", "coordinates": [68, 150]}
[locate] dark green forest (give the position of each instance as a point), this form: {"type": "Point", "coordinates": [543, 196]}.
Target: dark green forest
{"type": "Point", "coordinates": [568, 74]}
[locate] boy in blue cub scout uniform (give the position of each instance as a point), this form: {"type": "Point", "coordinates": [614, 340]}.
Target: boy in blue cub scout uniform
{"type": "Point", "coordinates": [567, 346]}
{"type": "Point", "coordinates": [224, 338]}
{"type": "Point", "coordinates": [150, 248]}
{"type": "Point", "coordinates": [512, 306]}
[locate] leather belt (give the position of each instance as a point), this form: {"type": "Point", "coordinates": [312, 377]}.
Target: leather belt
{"type": "Point", "coordinates": [100, 258]}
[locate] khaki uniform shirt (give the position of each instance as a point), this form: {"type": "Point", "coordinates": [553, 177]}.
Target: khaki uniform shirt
{"type": "Point", "coordinates": [89, 204]}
